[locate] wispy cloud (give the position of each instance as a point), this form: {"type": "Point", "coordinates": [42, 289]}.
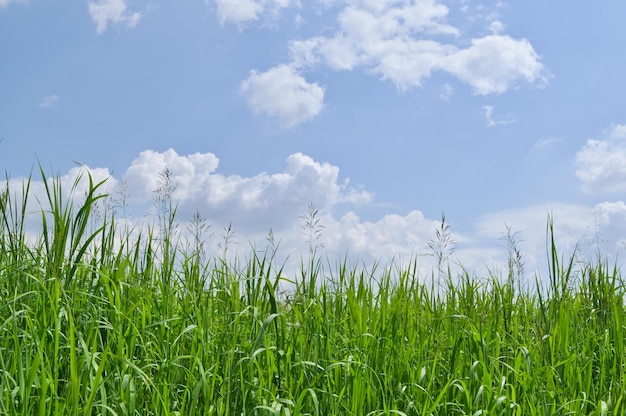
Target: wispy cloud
{"type": "Point", "coordinates": [6, 3]}
{"type": "Point", "coordinates": [244, 11]}
{"type": "Point", "coordinates": [103, 12]}
{"type": "Point", "coordinates": [493, 121]}
{"type": "Point", "coordinates": [546, 142]}
{"type": "Point", "coordinates": [496, 27]}
{"type": "Point", "coordinates": [446, 92]}
{"type": "Point", "coordinates": [48, 101]}
{"type": "Point", "coordinates": [617, 131]}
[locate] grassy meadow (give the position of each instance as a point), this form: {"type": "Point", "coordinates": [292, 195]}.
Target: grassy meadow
{"type": "Point", "coordinates": [93, 322]}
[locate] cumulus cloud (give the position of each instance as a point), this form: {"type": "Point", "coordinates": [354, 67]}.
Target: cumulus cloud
{"type": "Point", "coordinates": [253, 203]}
{"type": "Point", "coordinates": [244, 11]}
{"type": "Point", "coordinates": [383, 37]}
{"type": "Point", "coordinates": [279, 201]}
{"type": "Point", "coordinates": [403, 42]}
{"type": "Point", "coordinates": [283, 94]}
{"type": "Point", "coordinates": [394, 234]}
{"type": "Point", "coordinates": [103, 12]}
{"type": "Point", "coordinates": [494, 63]}
{"type": "Point", "coordinates": [482, 247]}
{"type": "Point", "coordinates": [601, 164]}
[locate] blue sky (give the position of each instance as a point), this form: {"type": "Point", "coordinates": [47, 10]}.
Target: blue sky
{"type": "Point", "coordinates": [382, 113]}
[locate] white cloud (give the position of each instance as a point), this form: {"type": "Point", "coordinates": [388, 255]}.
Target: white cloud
{"type": "Point", "coordinates": [492, 121]}
{"type": "Point", "coordinates": [400, 239]}
{"type": "Point", "coordinates": [543, 153]}
{"type": "Point", "coordinates": [5, 3]}
{"type": "Point", "coordinates": [283, 94]}
{"type": "Point", "coordinates": [446, 92]}
{"type": "Point", "coordinates": [545, 143]}
{"type": "Point", "coordinates": [71, 188]}
{"type": "Point", "coordinates": [392, 235]}
{"type": "Point", "coordinates": [385, 39]}
{"type": "Point", "coordinates": [601, 164]}
{"type": "Point", "coordinates": [278, 200]}
{"type": "Point", "coordinates": [251, 203]}
{"type": "Point", "coordinates": [244, 11]}
{"type": "Point", "coordinates": [115, 11]}
{"type": "Point", "coordinates": [48, 101]}
{"type": "Point", "coordinates": [617, 131]}
{"type": "Point", "coordinates": [578, 229]}
{"type": "Point", "coordinates": [238, 10]}
{"type": "Point", "coordinates": [495, 63]}
{"type": "Point", "coordinates": [574, 229]}
{"type": "Point", "coordinates": [532, 220]}
{"type": "Point", "coordinates": [254, 204]}
{"type": "Point", "coordinates": [68, 182]}
{"type": "Point", "coordinates": [611, 224]}
{"type": "Point", "coordinates": [496, 27]}
{"type": "Point", "coordinates": [400, 41]}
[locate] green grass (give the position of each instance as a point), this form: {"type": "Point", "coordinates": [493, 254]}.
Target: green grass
{"type": "Point", "coordinates": [95, 322]}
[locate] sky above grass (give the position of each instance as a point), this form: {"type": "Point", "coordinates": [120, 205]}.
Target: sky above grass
{"type": "Point", "coordinates": [383, 114]}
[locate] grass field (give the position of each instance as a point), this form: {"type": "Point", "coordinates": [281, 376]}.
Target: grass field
{"type": "Point", "coordinates": [93, 322]}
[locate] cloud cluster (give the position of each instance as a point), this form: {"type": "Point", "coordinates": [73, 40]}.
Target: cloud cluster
{"type": "Point", "coordinates": [103, 12]}
{"type": "Point", "coordinates": [254, 204]}
{"type": "Point", "coordinates": [279, 200]}
{"type": "Point", "coordinates": [244, 11]}
{"type": "Point", "coordinates": [251, 203]}
{"type": "Point", "coordinates": [601, 164]}
{"type": "Point", "coordinates": [403, 41]}
{"type": "Point", "coordinates": [400, 41]}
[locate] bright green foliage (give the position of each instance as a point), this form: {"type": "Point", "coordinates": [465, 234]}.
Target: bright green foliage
{"type": "Point", "coordinates": [89, 327]}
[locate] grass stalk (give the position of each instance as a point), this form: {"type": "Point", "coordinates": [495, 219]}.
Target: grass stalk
{"type": "Point", "coordinates": [93, 322]}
